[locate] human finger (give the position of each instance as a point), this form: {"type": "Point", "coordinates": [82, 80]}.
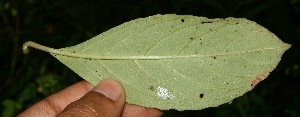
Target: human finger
{"type": "Point", "coordinates": [107, 99]}
{"type": "Point", "coordinates": [54, 104]}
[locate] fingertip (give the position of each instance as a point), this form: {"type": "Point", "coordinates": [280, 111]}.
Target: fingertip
{"type": "Point", "coordinates": [110, 88]}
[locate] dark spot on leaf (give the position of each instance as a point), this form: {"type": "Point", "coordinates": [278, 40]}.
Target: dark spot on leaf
{"type": "Point", "coordinates": [210, 29]}
{"type": "Point", "coordinates": [201, 43]}
{"type": "Point", "coordinates": [226, 50]}
{"type": "Point", "coordinates": [151, 88]}
{"type": "Point", "coordinates": [172, 26]}
{"type": "Point", "coordinates": [139, 51]}
{"type": "Point", "coordinates": [96, 71]}
{"type": "Point", "coordinates": [227, 83]}
{"type": "Point", "coordinates": [191, 38]}
{"type": "Point", "coordinates": [182, 20]}
{"type": "Point", "coordinates": [235, 30]}
{"type": "Point", "coordinates": [73, 51]}
{"type": "Point", "coordinates": [204, 22]}
{"type": "Point", "coordinates": [201, 95]}
{"type": "Point", "coordinates": [236, 23]}
{"type": "Point", "coordinates": [214, 57]}
{"type": "Point", "coordinates": [90, 59]}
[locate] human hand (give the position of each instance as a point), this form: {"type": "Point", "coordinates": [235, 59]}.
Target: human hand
{"type": "Point", "coordinates": [107, 99]}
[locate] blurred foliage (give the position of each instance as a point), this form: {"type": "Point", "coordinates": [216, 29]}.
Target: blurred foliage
{"type": "Point", "coordinates": [28, 79]}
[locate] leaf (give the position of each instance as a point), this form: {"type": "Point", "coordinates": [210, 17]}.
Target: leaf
{"type": "Point", "coordinates": [177, 62]}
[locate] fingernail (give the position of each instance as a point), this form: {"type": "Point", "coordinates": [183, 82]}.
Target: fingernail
{"type": "Point", "coordinates": [110, 88]}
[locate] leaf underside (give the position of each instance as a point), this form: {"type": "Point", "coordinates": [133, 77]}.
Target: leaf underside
{"type": "Point", "coordinates": [179, 62]}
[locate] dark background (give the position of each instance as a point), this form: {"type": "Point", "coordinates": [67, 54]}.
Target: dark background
{"type": "Point", "coordinates": [61, 23]}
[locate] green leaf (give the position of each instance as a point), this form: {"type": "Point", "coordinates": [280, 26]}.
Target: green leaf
{"type": "Point", "coordinates": [177, 62]}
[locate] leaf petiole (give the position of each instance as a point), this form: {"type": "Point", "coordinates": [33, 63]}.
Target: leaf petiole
{"type": "Point", "coordinates": [28, 44]}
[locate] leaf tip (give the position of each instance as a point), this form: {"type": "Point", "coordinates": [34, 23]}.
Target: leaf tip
{"type": "Point", "coordinates": [288, 46]}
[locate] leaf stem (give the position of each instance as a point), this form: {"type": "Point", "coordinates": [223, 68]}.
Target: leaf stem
{"type": "Point", "coordinates": [28, 44]}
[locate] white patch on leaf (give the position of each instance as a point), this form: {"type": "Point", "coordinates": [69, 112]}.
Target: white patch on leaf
{"type": "Point", "coordinates": [164, 93]}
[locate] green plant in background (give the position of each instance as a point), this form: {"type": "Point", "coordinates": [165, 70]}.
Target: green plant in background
{"type": "Point", "coordinates": [65, 23]}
